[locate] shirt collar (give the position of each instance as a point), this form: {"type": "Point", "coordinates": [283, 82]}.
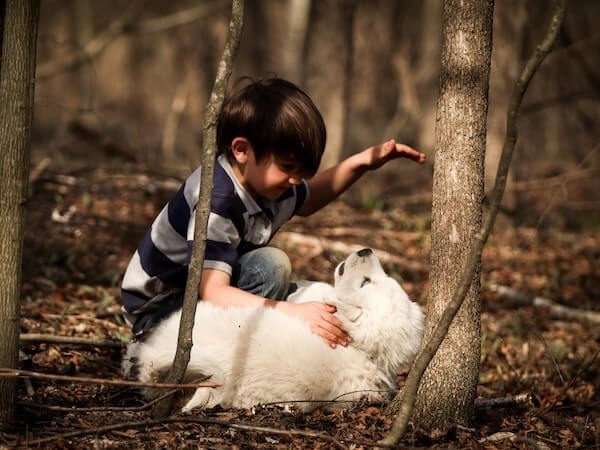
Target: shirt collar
{"type": "Point", "coordinates": [252, 207]}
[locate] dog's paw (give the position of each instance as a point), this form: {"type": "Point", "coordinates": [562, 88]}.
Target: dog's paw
{"type": "Point", "coordinates": [200, 399]}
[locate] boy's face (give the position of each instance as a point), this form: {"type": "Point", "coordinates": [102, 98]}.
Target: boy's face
{"type": "Point", "coordinates": [264, 179]}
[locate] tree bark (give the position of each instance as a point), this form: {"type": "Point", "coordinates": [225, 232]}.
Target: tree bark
{"type": "Point", "coordinates": [16, 114]}
{"type": "Point", "coordinates": [327, 69]}
{"type": "Point", "coordinates": [406, 403]}
{"type": "Point", "coordinates": [209, 144]}
{"type": "Point", "coordinates": [447, 391]}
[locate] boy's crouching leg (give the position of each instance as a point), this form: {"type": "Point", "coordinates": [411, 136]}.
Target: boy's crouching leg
{"type": "Point", "coordinates": [265, 271]}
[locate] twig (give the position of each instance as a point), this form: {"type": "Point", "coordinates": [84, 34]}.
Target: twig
{"type": "Point", "coordinates": [97, 408]}
{"type": "Point", "coordinates": [38, 169]}
{"type": "Point", "coordinates": [178, 18]}
{"type": "Point", "coordinates": [52, 339]}
{"type": "Point", "coordinates": [556, 310]}
{"type": "Point", "coordinates": [409, 393]}
{"type": "Point", "coordinates": [203, 421]}
{"type": "Point", "coordinates": [45, 376]}
{"type": "Point", "coordinates": [93, 47]}
{"type": "Point", "coordinates": [502, 402]}
{"type": "Point", "coordinates": [209, 139]}
{"type": "Point", "coordinates": [503, 435]}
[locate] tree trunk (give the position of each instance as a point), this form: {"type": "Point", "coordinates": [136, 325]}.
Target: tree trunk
{"type": "Point", "coordinates": [209, 144]}
{"type": "Point", "coordinates": [327, 69]}
{"type": "Point", "coordinates": [293, 48]}
{"type": "Point", "coordinates": [16, 110]}
{"type": "Point", "coordinates": [447, 391]}
{"type": "Point", "coordinates": [83, 24]}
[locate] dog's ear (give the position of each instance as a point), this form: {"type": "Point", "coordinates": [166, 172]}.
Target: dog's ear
{"type": "Point", "coordinates": [352, 312]}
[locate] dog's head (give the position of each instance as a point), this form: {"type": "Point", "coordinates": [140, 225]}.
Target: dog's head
{"type": "Point", "coordinates": [379, 311]}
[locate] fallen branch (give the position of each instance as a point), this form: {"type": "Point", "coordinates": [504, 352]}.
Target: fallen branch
{"type": "Point", "coordinates": [409, 393]}
{"type": "Point", "coordinates": [96, 408]}
{"type": "Point", "coordinates": [52, 339]}
{"type": "Point", "coordinates": [556, 310]}
{"type": "Point", "coordinates": [45, 376]}
{"type": "Point", "coordinates": [514, 437]}
{"type": "Point", "coordinates": [502, 402]}
{"type": "Point", "coordinates": [202, 421]}
{"type": "Point", "coordinates": [320, 244]}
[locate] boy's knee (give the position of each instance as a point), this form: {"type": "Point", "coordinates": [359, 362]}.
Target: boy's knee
{"type": "Point", "coordinates": [265, 272]}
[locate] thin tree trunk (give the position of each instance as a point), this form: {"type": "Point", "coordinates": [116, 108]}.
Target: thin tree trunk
{"type": "Point", "coordinates": [83, 24]}
{"type": "Point", "coordinates": [328, 67]}
{"type": "Point", "coordinates": [448, 388]}
{"type": "Point", "coordinates": [431, 346]}
{"type": "Point", "coordinates": [209, 143]}
{"type": "Point", "coordinates": [16, 113]}
{"type": "Point", "coordinates": [293, 48]}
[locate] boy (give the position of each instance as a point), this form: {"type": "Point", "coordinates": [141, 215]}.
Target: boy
{"type": "Point", "coordinates": [270, 139]}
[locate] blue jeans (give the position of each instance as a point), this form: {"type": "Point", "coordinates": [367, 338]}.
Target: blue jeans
{"type": "Point", "coordinates": [265, 271]}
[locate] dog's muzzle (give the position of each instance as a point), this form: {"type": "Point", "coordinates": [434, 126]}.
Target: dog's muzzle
{"type": "Point", "coordinates": [364, 252]}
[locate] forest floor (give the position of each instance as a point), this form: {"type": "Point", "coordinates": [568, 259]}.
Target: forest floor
{"type": "Point", "coordinates": [83, 226]}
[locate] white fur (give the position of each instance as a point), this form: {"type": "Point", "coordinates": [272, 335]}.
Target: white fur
{"type": "Point", "coordinates": [260, 355]}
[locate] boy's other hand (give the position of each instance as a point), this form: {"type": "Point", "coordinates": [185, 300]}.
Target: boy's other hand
{"type": "Point", "coordinates": [378, 155]}
{"type": "Point", "coordinates": [322, 322]}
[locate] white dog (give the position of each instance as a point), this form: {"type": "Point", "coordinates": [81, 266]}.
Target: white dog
{"type": "Point", "coordinates": [259, 355]}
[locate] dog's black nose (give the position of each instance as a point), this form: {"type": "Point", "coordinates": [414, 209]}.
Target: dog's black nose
{"type": "Point", "coordinates": [364, 252]}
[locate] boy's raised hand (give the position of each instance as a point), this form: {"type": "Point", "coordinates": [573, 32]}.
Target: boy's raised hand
{"type": "Point", "coordinates": [378, 155]}
{"type": "Point", "coordinates": [321, 320]}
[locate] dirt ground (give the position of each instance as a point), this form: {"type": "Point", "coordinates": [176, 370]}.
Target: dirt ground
{"type": "Point", "coordinates": [83, 226]}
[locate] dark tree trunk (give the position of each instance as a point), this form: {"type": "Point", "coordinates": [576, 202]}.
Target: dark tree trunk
{"type": "Point", "coordinates": [448, 388]}
{"type": "Point", "coordinates": [17, 75]}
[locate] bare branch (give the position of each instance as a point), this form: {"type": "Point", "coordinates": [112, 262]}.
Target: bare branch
{"type": "Point", "coordinates": [93, 47]}
{"type": "Point", "coordinates": [52, 339]}
{"type": "Point", "coordinates": [556, 310]}
{"type": "Point", "coordinates": [213, 108]}
{"type": "Point", "coordinates": [143, 407]}
{"type": "Point", "coordinates": [179, 18]}
{"type": "Point", "coordinates": [12, 373]}
{"type": "Point", "coordinates": [409, 393]}
{"type": "Point", "coordinates": [502, 402]}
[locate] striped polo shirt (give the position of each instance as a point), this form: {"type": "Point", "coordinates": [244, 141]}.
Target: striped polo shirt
{"type": "Point", "coordinates": [237, 224]}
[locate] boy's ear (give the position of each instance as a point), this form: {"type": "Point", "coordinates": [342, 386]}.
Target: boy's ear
{"type": "Point", "coordinates": [240, 147]}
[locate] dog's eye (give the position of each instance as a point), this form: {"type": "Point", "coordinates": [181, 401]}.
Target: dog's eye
{"type": "Point", "coordinates": [366, 280]}
{"type": "Point", "coordinates": [341, 269]}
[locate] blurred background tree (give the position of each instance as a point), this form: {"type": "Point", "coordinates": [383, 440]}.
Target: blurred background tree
{"type": "Point", "coordinates": [141, 88]}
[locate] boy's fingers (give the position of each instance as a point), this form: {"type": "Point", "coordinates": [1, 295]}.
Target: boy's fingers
{"type": "Point", "coordinates": [328, 337]}
{"type": "Point", "coordinates": [338, 334]}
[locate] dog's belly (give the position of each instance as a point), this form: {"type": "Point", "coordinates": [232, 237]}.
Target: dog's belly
{"type": "Point", "coordinates": [261, 356]}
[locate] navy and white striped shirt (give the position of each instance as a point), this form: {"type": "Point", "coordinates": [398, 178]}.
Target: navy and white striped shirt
{"type": "Point", "coordinates": [237, 224]}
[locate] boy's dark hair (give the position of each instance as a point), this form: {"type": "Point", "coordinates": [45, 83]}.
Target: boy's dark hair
{"type": "Point", "coordinates": [279, 120]}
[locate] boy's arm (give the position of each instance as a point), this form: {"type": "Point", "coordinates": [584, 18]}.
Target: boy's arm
{"type": "Point", "coordinates": [215, 288]}
{"type": "Point", "coordinates": [326, 186]}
